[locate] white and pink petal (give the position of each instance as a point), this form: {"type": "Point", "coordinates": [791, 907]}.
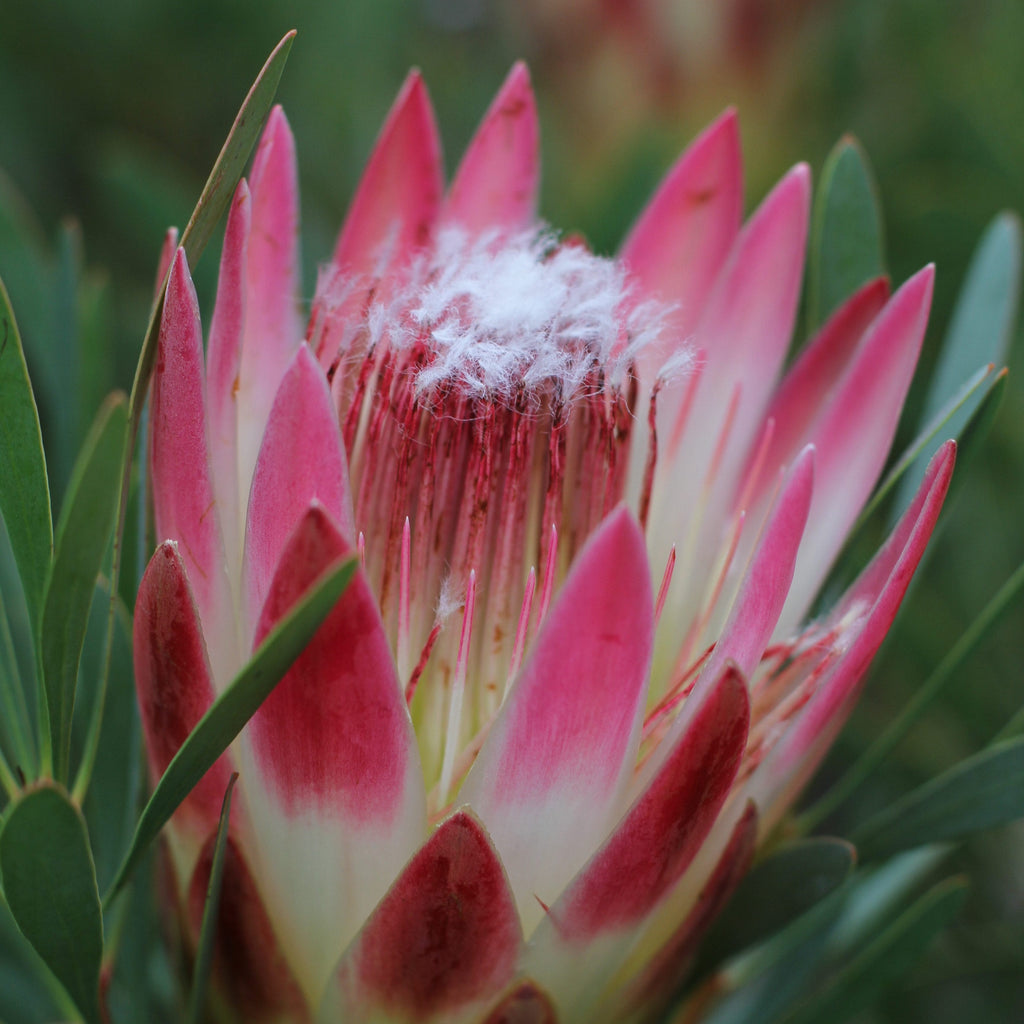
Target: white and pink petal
{"type": "Point", "coordinates": [184, 500]}
{"type": "Point", "coordinates": [740, 343]}
{"type": "Point", "coordinates": [854, 432]}
{"type": "Point", "coordinates": [174, 684]}
{"type": "Point", "coordinates": [398, 198]}
{"type": "Point", "coordinates": [334, 789]}
{"type": "Point", "coordinates": [679, 243]}
{"type": "Point", "coordinates": [552, 775]}
{"type": "Point", "coordinates": [301, 461]}
{"type": "Point", "coordinates": [857, 626]}
{"type": "Point", "coordinates": [249, 966]}
{"type": "Point", "coordinates": [223, 366]}
{"type": "Point", "coordinates": [591, 928]}
{"type": "Point", "coordinates": [498, 179]}
{"type": "Point", "coordinates": [272, 327]}
{"type": "Point", "coordinates": [441, 945]}
{"type": "Point", "coordinates": [392, 217]}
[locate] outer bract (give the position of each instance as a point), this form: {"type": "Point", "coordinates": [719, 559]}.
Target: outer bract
{"type": "Point", "coordinates": [535, 744]}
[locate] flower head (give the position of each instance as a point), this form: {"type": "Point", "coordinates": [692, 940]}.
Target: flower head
{"type": "Point", "coordinates": [534, 745]}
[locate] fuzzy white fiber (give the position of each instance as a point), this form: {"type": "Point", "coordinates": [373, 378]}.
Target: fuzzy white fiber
{"type": "Point", "coordinates": [501, 315]}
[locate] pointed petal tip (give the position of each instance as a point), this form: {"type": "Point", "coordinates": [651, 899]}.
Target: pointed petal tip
{"type": "Point", "coordinates": [807, 455]}
{"type": "Point", "coordinates": [622, 521]}
{"type": "Point", "coordinates": [518, 79]}
{"type": "Point", "coordinates": [395, 205]}
{"type": "Point", "coordinates": [725, 128]}
{"type": "Point", "coordinates": [924, 280]}
{"type": "Point", "coordinates": [413, 81]}
{"type": "Point", "coordinates": [801, 173]}
{"type": "Point", "coordinates": [180, 299]}
{"type": "Point", "coordinates": [944, 461]}
{"type": "Point", "coordinates": [179, 261]}
{"type": "Point", "coordinates": [498, 179]}
{"type": "Point", "coordinates": [277, 121]}
{"type": "Point", "coordinates": [662, 832]}
{"type": "Point", "coordinates": [446, 936]}
{"type": "Point", "coordinates": [413, 96]}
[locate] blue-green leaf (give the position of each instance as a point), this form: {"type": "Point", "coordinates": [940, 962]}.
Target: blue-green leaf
{"type": "Point", "coordinates": [847, 248]}
{"type": "Point", "coordinates": [884, 961]}
{"type": "Point", "coordinates": [983, 791]}
{"type": "Point", "coordinates": [83, 534]}
{"type": "Point", "coordinates": [110, 722]}
{"type": "Point", "coordinates": [50, 888]}
{"type": "Point", "coordinates": [979, 332]}
{"type": "Point", "coordinates": [775, 892]}
{"type": "Point", "coordinates": [24, 492]}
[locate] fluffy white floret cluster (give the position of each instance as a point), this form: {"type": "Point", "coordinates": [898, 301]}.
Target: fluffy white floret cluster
{"type": "Point", "coordinates": [526, 313]}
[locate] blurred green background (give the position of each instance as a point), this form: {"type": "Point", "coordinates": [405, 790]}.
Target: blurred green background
{"type": "Point", "coordinates": [112, 114]}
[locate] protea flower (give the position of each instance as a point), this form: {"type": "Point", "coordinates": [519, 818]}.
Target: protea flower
{"type": "Point", "coordinates": [534, 746]}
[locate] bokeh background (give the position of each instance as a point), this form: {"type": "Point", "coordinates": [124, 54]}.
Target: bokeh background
{"type": "Point", "coordinates": [111, 115]}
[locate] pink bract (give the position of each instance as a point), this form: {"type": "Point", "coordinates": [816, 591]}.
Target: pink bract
{"type": "Point", "coordinates": [533, 747]}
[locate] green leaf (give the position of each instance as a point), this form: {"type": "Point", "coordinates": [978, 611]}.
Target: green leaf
{"type": "Point", "coordinates": [216, 196]}
{"type": "Point", "coordinates": [975, 432]}
{"type": "Point", "coordinates": [110, 723]}
{"type": "Point", "coordinates": [233, 708]}
{"type": "Point", "coordinates": [972, 393]}
{"type": "Point", "coordinates": [879, 892]}
{"type": "Point", "coordinates": [28, 991]}
{"type": "Point", "coordinates": [83, 534]}
{"type": "Point", "coordinates": [981, 792]}
{"type": "Point", "coordinates": [213, 201]}
{"type": "Point", "coordinates": [846, 236]}
{"type": "Point", "coordinates": [947, 670]}
{"type": "Point", "coordinates": [24, 492]}
{"type": "Point", "coordinates": [777, 891]}
{"type": "Point", "coordinates": [208, 928]}
{"type": "Point", "coordinates": [50, 887]}
{"type": "Point", "coordinates": [885, 961]}
{"type": "Point", "coordinates": [979, 332]}
{"type": "Point", "coordinates": [862, 540]}
{"type": "Point", "coordinates": [17, 726]}
{"type": "Point", "coordinates": [764, 983]}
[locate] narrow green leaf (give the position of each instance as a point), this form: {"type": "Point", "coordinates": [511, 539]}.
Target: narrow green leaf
{"type": "Point", "coordinates": [763, 984]}
{"type": "Point", "coordinates": [112, 730]}
{"type": "Point", "coordinates": [83, 534]}
{"type": "Point", "coordinates": [846, 236]}
{"type": "Point", "coordinates": [979, 332]}
{"type": "Point", "coordinates": [24, 491]}
{"type": "Point", "coordinates": [208, 928]}
{"type": "Point", "coordinates": [975, 432]}
{"type": "Point", "coordinates": [878, 894]}
{"type": "Point", "coordinates": [974, 393]}
{"type": "Point", "coordinates": [885, 961]}
{"type": "Point", "coordinates": [948, 668]}
{"type": "Point", "coordinates": [777, 891]}
{"type": "Point", "coordinates": [50, 888]}
{"type": "Point", "coordinates": [64, 426]}
{"type": "Point", "coordinates": [213, 201]}
{"type": "Point", "coordinates": [16, 726]}
{"type": "Point", "coordinates": [981, 792]}
{"type": "Point", "coordinates": [216, 194]}
{"type": "Point", "coordinates": [233, 708]}
{"type": "Point", "coordinates": [767, 982]}
{"type": "Point", "coordinates": [29, 993]}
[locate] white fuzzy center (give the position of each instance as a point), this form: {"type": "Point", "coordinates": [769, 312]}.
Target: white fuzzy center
{"type": "Point", "coordinates": [499, 314]}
